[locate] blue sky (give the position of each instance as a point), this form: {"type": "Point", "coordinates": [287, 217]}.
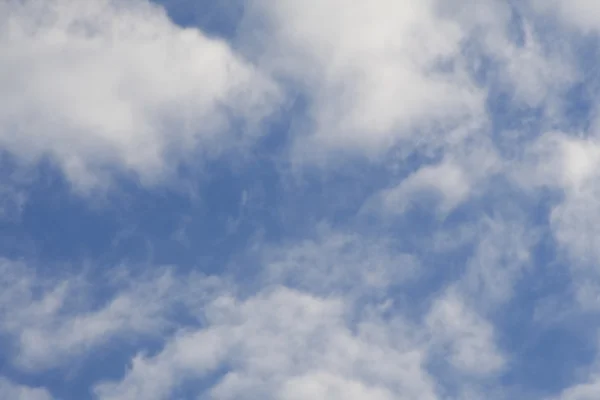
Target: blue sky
{"type": "Point", "coordinates": [295, 200]}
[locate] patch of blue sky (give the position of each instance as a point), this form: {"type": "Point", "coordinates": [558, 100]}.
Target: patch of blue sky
{"type": "Point", "coordinates": [215, 18]}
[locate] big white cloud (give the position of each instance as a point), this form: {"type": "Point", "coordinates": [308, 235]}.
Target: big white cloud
{"type": "Point", "coordinates": [106, 85]}
{"type": "Point", "coordinates": [374, 72]}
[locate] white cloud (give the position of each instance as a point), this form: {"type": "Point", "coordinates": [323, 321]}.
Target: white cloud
{"type": "Point", "coordinates": [101, 85]}
{"type": "Point", "coordinates": [575, 219]}
{"type": "Point", "coordinates": [501, 257]}
{"type": "Point", "coordinates": [470, 337]}
{"type": "Point", "coordinates": [341, 262]}
{"type": "Point", "coordinates": [581, 14]}
{"type": "Point", "coordinates": [13, 391]}
{"type": "Point", "coordinates": [320, 338]}
{"type": "Point", "coordinates": [568, 166]}
{"type": "Point", "coordinates": [278, 341]}
{"type": "Point", "coordinates": [575, 225]}
{"type": "Point", "coordinates": [51, 321]}
{"type": "Point", "coordinates": [560, 161]}
{"type": "Point", "coordinates": [372, 72]}
{"type": "Point", "coordinates": [447, 180]}
{"type": "Point", "coordinates": [399, 74]}
{"type": "Point", "coordinates": [462, 175]}
{"type": "Point", "coordinates": [104, 86]}
{"type": "Point", "coordinates": [583, 391]}
{"type": "Point", "coordinates": [586, 387]}
{"type": "Point", "coordinates": [323, 385]}
{"type": "Point", "coordinates": [535, 75]}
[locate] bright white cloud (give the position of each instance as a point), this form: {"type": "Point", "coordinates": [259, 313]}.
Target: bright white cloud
{"type": "Point", "coordinates": [100, 86]}
{"type": "Point", "coordinates": [387, 73]}
{"type": "Point", "coordinates": [373, 71]}
{"type": "Point", "coordinates": [561, 161]}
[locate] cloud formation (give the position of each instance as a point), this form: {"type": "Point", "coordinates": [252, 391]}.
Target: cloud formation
{"type": "Point", "coordinates": [103, 85]}
{"type": "Point", "coordinates": [418, 185]}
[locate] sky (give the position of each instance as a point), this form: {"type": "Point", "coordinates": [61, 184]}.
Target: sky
{"type": "Point", "coordinates": [290, 200]}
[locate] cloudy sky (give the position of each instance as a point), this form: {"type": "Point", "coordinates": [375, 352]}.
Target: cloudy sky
{"type": "Point", "coordinates": [299, 199]}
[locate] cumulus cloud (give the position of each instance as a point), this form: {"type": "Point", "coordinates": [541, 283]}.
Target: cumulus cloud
{"type": "Point", "coordinates": [103, 85]}
{"type": "Point", "coordinates": [375, 73]}
{"type": "Point", "coordinates": [391, 74]}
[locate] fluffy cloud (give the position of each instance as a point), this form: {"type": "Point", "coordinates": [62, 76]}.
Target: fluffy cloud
{"type": "Point", "coordinates": [286, 344]}
{"type": "Point", "coordinates": [375, 73]}
{"type": "Point", "coordinates": [282, 344]}
{"type": "Point", "coordinates": [389, 74]}
{"type": "Point", "coordinates": [102, 86]}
